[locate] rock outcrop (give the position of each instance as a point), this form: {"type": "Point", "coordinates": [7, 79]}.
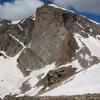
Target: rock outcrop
{"type": "Point", "coordinates": [56, 76]}
{"type": "Point", "coordinates": [29, 61]}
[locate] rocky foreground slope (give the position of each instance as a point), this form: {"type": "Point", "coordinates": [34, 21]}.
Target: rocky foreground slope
{"type": "Point", "coordinates": [44, 54]}
{"type": "Point", "coordinates": [77, 97]}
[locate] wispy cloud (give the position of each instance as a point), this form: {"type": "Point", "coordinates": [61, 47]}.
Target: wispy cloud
{"type": "Point", "coordinates": [19, 9]}
{"type": "Point", "coordinates": [91, 6]}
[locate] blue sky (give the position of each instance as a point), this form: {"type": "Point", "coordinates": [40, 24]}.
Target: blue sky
{"type": "Point", "coordinates": [95, 17]}
{"type": "Point", "coordinates": [2, 1]}
{"type": "Point", "coordinates": [91, 10]}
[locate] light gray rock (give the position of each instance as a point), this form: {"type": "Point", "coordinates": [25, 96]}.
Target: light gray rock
{"type": "Point", "coordinates": [9, 45]}
{"type": "Point", "coordinates": [51, 41]}
{"type": "Point", "coordinates": [29, 61]}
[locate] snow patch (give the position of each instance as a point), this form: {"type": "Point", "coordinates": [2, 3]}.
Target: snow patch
{"type": "Point", "coordinates": [23, 21]}
{"type": "Point", "coordinates": [4, 53]}
{"type": "Point", "coordinates": [92, 43]}
{"type": "Point", "coordinates": [83, 31]}
{"type": "Point", "coordinates": [82, 56]}
{"type": "Point", "coordinates": [74, 64]}
{"type": "Point", "coordinates": [87, 57]}
{"type": "Point", "coordinates": [17, 40]}
{"type": "Point", "coordinates": [97, 36]}
{"type": "Point", "coordinates": [78, 40]}
{"type": "Point", "coordinates": [15, 22]}
{"type": "Point", "coordinates": [56, 6]}
{"type": "Point", "coordinates": [91, 30]}
{"type": "Point", "coordinates": [1, 25]}
{"type": "Point", "coordinates": [80, 25]}
{"type": "Point", "coordinates": [20, 27]}
{"type": "Point", "coordinates": [94, 21]}
{"type": "Point", "coordinates": [33, 17]}
{"type": "Point", "coordinates": [77, 65]}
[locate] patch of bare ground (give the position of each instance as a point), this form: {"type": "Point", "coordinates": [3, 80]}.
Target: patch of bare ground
{"type": "Point", "coordinates": [77, 97]}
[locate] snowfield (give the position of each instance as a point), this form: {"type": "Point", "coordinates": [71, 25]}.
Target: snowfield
{"type": "Point", "coordinates": [87, 81]}
{"type": "Point", "coordinates": [10, 76]}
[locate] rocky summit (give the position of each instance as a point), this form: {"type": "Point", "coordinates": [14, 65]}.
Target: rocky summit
{"type": "Point", "coordinates": [52, 53]}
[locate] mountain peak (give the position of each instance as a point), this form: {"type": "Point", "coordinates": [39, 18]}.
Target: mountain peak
{"type": "Point", "coordinates": [59, 7]}
{"type": "Point", "coordinates": [44, 51]}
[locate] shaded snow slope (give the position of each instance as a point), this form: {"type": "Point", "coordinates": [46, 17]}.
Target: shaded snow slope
{"type": "Point", "coordinates": [87, 81]}
{"type": "Point", "coordinates": [10, 76]}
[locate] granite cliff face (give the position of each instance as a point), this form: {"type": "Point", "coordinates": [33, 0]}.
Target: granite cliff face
{"type": "Point", "coordinates": [50, 47]}
{"type": "Point", "coordinates": [53, 38]}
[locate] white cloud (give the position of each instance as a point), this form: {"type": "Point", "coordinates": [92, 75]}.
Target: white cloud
{"type": "Point", "coordinates": [19, 9]}
{"type": "Point", "coordinates": [24, 8]}
{"type": "Point", "coordinates": [92, 6]}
